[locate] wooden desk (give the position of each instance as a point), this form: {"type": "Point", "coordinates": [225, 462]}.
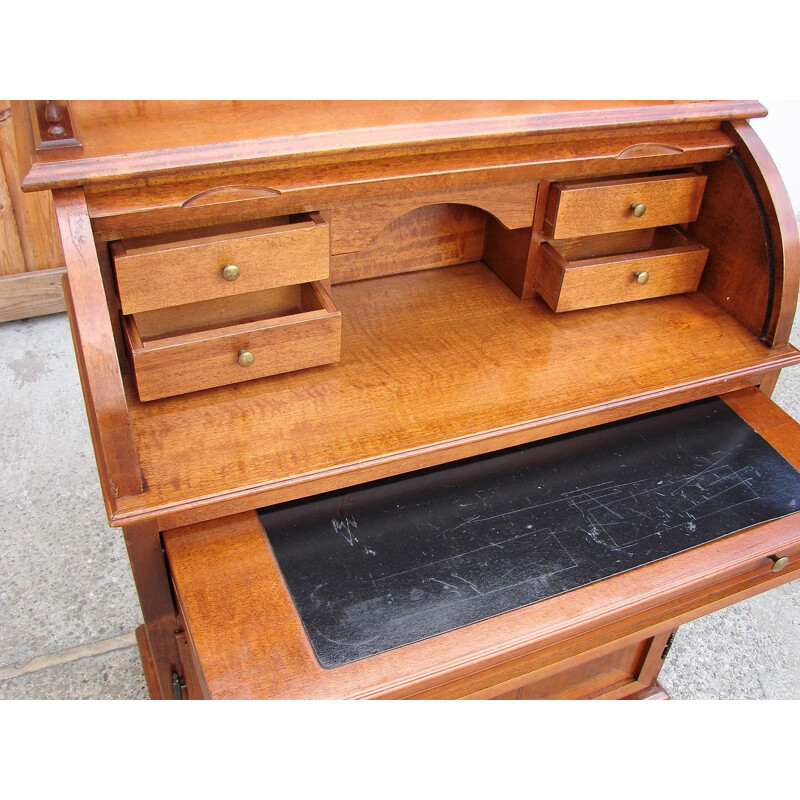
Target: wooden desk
{"type": "Point", "coordinates": [271, 301]}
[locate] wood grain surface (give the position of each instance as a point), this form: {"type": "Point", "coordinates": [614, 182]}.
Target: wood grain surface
{"type": "Point", "coordinates": [157, 275]}
{"type": "Point", "coordinates": [124, 139]}
{"type": "Point", "coordinates": [435, 365]}
{"type": "Point", "coordinates": [439, 235]}
{"type": "Point", "coordinates": [34, 231]}
{"type": "Point", "coordinates": [138, 205]}
{"type": "Point", "coordinates": [31, 258]}
{"type": "Point", "coordinates": [782, 224]}
{"type": "Point", "coordinates": [355, 224]}
{"type": "Point", "coordinates": [93, 336]}
{"type": "Point", "coordinates": [31, 294]}
{"type": "Point", "coordinates": [188, 361]}
{"type": "Point", "coordinates": [674, 265]}
{"type": "Point", "coordinates": [589, 208]}
{"type": "Point", "coordinates": [12, 260]}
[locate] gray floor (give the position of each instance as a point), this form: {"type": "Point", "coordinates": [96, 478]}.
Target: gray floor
{"type": "Point", "coordinates": [67, 603]}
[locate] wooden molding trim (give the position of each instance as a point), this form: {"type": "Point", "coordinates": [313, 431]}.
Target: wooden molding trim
{"type": "Point", "coordinates": [382, 141]}
{"type": "Point", "coordinates": [31, 294]}
{"type": "Point", "coordinates": [54, 128]}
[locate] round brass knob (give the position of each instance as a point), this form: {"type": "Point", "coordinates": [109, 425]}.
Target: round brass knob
{"type": "Point", "coordinates": [641, 277]}
{"type": "Point", "coordinates": [778, 562]}
{"type": "Point", "coordinates": [246, 358]}
{"type": "Point", "coordinates": [230, 272]}
{"type": "Point", "coordinates": [638, 209]}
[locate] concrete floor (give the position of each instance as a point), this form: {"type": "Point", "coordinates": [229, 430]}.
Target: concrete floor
{"type": "Point", "coordinates": [68, 607]}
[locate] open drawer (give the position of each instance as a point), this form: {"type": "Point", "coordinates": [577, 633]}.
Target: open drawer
{"type": "Point", "coordinates": [218, 342]}
{"type": "Point", "coordinates": [237, 604]}
{"type": "Point", "coordinates": [603, 270]}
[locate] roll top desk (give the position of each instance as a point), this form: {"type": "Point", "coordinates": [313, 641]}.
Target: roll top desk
{"type": "Point", "coordinates": [281, 308]}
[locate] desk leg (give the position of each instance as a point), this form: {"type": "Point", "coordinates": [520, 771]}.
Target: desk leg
{"type": "Point", "coordinates": [156, 638]}
{"type": "Point", "coordinates": [651, 667]}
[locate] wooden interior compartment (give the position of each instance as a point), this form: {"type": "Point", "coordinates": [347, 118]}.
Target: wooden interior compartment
{"type": "Point", "coordinates": [586, 208]}
{"type": "Point", "coordinates": [436, 365]}
{"type": "Point", "coordinates": [197, 346]}
{"type": "Point", "coordinates": [165, 323]}
{"type": "Point", "coordinates": [237, 610]}
{"type": "Point", "coordinates": [178, 268]}
{"type": "Point", "coordinates": [438, 235]}
{"type": "Point", "coordinates": [601, 270]}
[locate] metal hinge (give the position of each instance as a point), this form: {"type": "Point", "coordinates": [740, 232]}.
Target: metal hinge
{"type": "Point", "coordinates": [177, 686]}
{"type": "Point", "coordinates": [668, 645]}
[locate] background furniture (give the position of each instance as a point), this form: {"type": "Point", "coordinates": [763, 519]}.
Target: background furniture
{"type": "Point", "coordinates": [31, 261]}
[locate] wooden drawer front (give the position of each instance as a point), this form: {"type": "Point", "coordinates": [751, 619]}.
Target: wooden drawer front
{"type": "Point", "coordinates": [673, 265]}
{"type": "Point", "coordinates": [588, 208]}
{"type": "Point", "coordinates": [166, 364]}
{"type": "Point", "coordinates": [153, 273]}
{"type": "Point", "coordinates": [615, 674]}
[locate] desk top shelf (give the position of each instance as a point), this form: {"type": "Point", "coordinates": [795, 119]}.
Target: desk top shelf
{"type": "Point", "coordinates": [119, 140]}
{"type": "Point", "coordinates": [436, 365]}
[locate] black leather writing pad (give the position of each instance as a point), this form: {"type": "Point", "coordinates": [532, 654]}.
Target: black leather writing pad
{"type": "Point", "coordinates": [392, 562]}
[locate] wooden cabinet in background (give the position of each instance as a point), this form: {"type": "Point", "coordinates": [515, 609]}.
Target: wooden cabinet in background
{"type": "Point", "coordinates": [31, 259]}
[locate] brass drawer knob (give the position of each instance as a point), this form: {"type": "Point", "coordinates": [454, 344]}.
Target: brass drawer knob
{"type": "Point", "coordinates": [230, 272]}
{"type": "Point", "coordinates": [641, 277]}
{"type": "Point", "coordinates": [638, 209]}
{"type": "Point", "coordinates": [246, 358]}
{"type": "Point", "coordinates": [779, 562]}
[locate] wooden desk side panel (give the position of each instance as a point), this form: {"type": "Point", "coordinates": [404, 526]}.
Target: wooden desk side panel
{"type": "Point", "coordinates": [743, 194]}
{"type": "Point", "coordinates": [783, 225]}
{"type": "Point", "coordinates": [104, 396]}
{"type": "Point", "coordinates": [157, 642]}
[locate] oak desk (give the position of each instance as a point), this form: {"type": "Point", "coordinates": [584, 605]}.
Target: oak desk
{"type": "Point", "coordinates": [272, 302]}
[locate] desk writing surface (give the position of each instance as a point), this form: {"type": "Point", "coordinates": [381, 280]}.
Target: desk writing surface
{"type": "Point", "coordinates": [391, 563]}
{"type": "Point", "coordinates": [431, 357]}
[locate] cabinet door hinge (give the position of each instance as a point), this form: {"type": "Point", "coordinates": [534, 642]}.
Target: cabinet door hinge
{"type": "Point", "coordinates": [177, 686]}
{"type": "Point", "coordinates": [668, 645]}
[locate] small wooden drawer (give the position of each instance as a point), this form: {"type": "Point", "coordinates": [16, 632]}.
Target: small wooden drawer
{"type": "Point", "coordinates": [586, 208]}
{"type": "Point", "coordinates": [585, 273]}
{"type": "Point", "coordinates": [160, 271]}
{"type": "Point", "coordinates": [218, 342]}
